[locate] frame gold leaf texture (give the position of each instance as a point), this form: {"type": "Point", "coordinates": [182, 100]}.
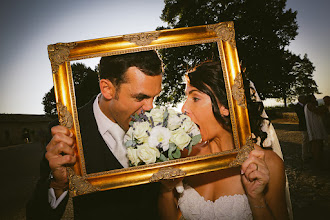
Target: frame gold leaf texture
{"type": "Point", "coordinates": [222, 34]}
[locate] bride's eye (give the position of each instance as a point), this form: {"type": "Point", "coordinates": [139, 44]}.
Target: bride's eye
{"type": "Point", "coordinates": [195, 99]}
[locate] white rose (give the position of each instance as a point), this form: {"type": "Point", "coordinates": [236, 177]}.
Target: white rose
{"type": "Point", "coordinates": [194, 130]}
{"type": "Point", "coordinates": [173, 122]}
{"type": "Point", "coordinates": [187, 123]}
{"type": "Point", "coordinates": [132, 156]}
{"type": "Point", "coordinates": [172, 111]}
{"type": "Point", "coordinates": [180, 138]}
{"type": "Point", "coordinates": [159, 136]}
{"type": "Point", "coordinates": [148, 154]}
{"type": "Point", "coordinates": [140, 130]}
{"type": "Point", "coordinates": [157, 115]}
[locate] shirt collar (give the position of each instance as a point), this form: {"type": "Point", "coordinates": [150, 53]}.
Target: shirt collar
{"type": "Point", "coordinates": [104, 124]}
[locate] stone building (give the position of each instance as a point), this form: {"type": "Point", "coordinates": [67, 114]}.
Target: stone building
{"type": "Point", "coordinates": [19, 128]}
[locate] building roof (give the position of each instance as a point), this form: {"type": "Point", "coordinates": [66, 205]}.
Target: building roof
{"type": "Point", "coordinates": [24, 118]}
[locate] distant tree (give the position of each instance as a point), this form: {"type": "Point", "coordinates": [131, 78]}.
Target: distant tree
{"type": "Point", "coordinates": [50, 104]}
{"type": "Point", "coordinates": [305, 83]}
{"type": "Point", "coordinates": [263, 30]}
{"type": "Point", "coordinates": [86, 85]}
{"type": "Point", "coordinates": [282, 83]}
{"type": "Point", "coordinates": [295, 78]}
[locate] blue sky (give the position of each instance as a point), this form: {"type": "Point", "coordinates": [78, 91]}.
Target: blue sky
{"type": "Point", "coordinates": [28, 26]}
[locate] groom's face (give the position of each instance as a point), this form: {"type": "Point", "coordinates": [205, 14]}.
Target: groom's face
{"type": "Point", "coordinates": [134, 95]}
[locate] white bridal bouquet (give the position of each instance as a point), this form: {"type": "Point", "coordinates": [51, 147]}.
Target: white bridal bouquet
{"type": "Point", "coordinates": [159, 135]}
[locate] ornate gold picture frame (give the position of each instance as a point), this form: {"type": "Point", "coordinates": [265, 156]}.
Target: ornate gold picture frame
{"type": "Point", "coordinates": [223, 34]}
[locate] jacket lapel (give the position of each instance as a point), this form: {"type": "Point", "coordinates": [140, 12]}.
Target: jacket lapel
{"type": "Point", "coordinates": [97, 155]}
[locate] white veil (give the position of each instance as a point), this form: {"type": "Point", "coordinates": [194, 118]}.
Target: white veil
{"type": "Point", "coordinates": [271, 141]}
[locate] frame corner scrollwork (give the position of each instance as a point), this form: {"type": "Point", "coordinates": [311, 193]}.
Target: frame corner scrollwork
{"type": "Point", "coordinates": [79, 185]}
{"type": "Point", "coordinates": [243, 153]}
{"type": "Point", "coordinates": [59, 53]}
{"type": "Point", "coordinates": [225, 31]}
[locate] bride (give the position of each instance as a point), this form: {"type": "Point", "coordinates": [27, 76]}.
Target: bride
{"type": "Point", "coordinates": [256, 190]}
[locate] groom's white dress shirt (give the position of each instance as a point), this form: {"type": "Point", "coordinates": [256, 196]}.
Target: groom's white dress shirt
{"type": "Point", "coordinates": [113, 136]}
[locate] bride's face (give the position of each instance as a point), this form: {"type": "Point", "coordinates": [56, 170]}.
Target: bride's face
{"type": "Point", "coordinates": [198, 107]}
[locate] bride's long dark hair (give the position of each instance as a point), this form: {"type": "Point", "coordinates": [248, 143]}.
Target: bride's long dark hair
{"type": "Point", "coordinates": [208, 78]}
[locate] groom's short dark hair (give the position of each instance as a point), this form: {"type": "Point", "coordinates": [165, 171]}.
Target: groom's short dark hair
{"type": "Point", "coordinates": [114, 67]}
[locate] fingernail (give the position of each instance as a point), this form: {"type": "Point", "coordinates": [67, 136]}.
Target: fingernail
{"type": "Point", "coordinates": [242, 172]}
{"type": "Point", "coordinates": [71, 134]}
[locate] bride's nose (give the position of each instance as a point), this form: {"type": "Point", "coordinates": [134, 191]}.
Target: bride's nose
{"type": "Point", "coordinates": [185, 109]}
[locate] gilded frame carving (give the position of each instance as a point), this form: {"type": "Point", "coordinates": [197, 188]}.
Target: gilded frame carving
{"type": "Point", "coordinates": [223, 34]}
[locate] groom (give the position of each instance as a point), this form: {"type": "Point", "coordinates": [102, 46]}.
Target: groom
{"type": "Point", "coordinates": [128, 85]}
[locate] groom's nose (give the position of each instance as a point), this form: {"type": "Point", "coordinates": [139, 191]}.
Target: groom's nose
{"type": "Point", "coordinates": [148, 104]}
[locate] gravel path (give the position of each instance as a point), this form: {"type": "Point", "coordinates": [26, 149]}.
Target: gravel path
{"type": "Point", "coordinates": [310, 190]}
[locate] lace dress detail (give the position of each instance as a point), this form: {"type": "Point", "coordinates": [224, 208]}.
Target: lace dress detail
{"type": "Point", "coordinates": [194, 207]}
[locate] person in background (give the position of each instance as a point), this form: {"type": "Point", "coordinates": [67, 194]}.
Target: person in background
{"type": "Point", "coordinates": [315, 129]}
{"type": "Point", "coordinates": [326, 118]}
{"type": "Point", "coordinates": [299, 109]}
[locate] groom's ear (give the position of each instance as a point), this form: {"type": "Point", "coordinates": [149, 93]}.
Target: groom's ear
{"type": "Point", "coordinates": [107, 88]}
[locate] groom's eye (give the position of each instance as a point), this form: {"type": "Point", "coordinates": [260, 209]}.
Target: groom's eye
{"type": "Point", "coordinates": [140, 97]}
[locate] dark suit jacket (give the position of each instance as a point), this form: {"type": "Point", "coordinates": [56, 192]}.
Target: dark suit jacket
{"type": "Point", "coordinates": [138, 202]}
{"type": "Point", "coordinates": [301, 116]}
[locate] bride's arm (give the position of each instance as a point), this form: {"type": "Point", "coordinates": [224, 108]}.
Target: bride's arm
{"type": "Point", "coordinates": [275, 195]}
{"type": "Point", "coordinates": [167, 201]}
{"type": "Point", "coordinates": [264, 181]}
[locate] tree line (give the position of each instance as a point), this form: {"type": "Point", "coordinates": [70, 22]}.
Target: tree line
{"type": "Point", "coordinates": [263, 32]}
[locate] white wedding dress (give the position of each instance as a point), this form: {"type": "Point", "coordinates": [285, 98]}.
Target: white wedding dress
{"type": "Point", "coordinates": [194, 207]}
